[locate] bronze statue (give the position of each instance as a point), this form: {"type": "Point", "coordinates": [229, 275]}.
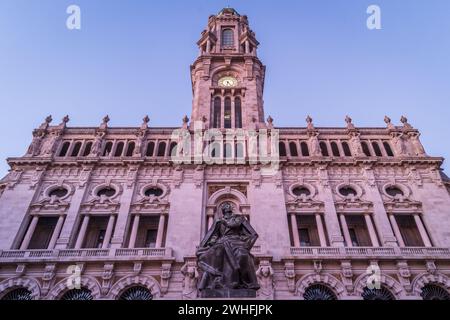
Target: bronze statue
{"type": "Point", "coordinates": [225, 259]}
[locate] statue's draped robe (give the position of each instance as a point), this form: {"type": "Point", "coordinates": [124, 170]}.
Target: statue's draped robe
{"type": "Point", "coordinates": [224, 255]}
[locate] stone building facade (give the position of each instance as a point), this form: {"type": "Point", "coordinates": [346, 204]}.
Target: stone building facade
{"type": "Point", "coordinates": [112, 213]}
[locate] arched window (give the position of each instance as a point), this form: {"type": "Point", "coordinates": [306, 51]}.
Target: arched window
{"type": "Point", "coordinates": [305, 149]}
{"type": "Point", "coordinates": [434, 292]}
{"type": "Point", "coordinates": [227, 38]}
{"type": "Point", "coordinates": [173, 149]}
{"type": "Point", "coordinates": [161, 149]}
{"type": "Point", "coordinates": [108, 148]}
{"type": "Point", "coordinates": [237, 113]}
{"type": "Point", "coordinates": [64, 149]}
{"type": "Point", "coordinates": [150, 149]}
{"type": "Point", "coordinates": [227, 113]}
{"type": "Point", "coordinates": [319, 292]}
{"type": "Point", "coordinates": [365, 148]}
{"type": "Point", "coordinates": [239, 150]}
{"type": "Point", "coordinates": [87, 149]}
{"type": "Point", "coordinates": [217, 113]}
{"type": "Point", "coordinates": [130, 149]}
{"type": "Point", "coordinates": [136, 293]}
{"type": "Point", "coordinates": [377, 149]}
{"type": "Point", "coordinates": [324, 149]}
{"type": "Point", "coordinates": [76, 149]}
{"type": "Point", "coordinates": [227, 150]}
{"type": "Point", "coordinates": [78, 294]}
{"type": "Point", "coordinates": [282, 149]}
{"type": "Point", "coordinates": [19, 294]}
{"type": "Point", "coordinates": [119, 149]}
{"type": "Point", "coordinates": [388, 149]}
{"type": "Point", "coordinates": [293, 149]}
{"type": "Point", "coordinates": [377, 294]}
{"type": "Point", "coordinates": [346, 149]}
{"type": "Point", "coordinates": [335, 149]}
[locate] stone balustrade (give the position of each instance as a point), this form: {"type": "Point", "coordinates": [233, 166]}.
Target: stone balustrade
{"type": "Point", "coordinates": [369, 252]}
{"type": "Point", "coordinates": [85, 254]}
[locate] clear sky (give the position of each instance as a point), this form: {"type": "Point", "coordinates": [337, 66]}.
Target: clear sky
{"type": "Point", "coordinates": [132, 58]}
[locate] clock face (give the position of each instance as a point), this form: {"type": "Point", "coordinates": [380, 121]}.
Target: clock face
{"type": "Point", "coordinates": [228, 82]}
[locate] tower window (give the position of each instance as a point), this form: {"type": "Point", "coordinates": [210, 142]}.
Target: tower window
{"type": "Point", "coordinates": [237, 113]}
{"type": "Point", "coordinates": [227, 113]}
{"type": "Point", "coordinates": [305, 149]}
{"type": "Point", "coordinates": [64, 149]}
{"type": "Point", "coordinates": [150, 149]}
{"type": "Point", "coordinates": [76, 149]}
{"type": "Point", "coordinates": [227, 38]}
{"type": "Point", "coordinates": [130, 149]}
{"type": "Point", "coordinates": [216, 112]}
{"type": "Point", "coordinates": [335, 149]}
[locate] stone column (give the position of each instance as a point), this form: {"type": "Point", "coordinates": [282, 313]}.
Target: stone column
{"type": "Point", "coordinates": [56, 232]}
{"type": "Point", "coordinates": [82, 232]}
{"type": "Point", "coordinates": [422, 231]}
{"type": "Point", "coordinates": [108, 233]}
{"type": "Point", "coordinates": [294, 229]}
{"type": "Point", "coordinates": [134, 231]}
{"type": "Point", "coordinates": [330, 217]}
{"type": "Point", "coordinates": [29, 234]}
{"type": "Point", "coordinates": [371, 229]}
{"type": "Point", "coordinates": [380, 216]}
{"type": "Point", "coordinates": [122, 217]}
{"type": "Point", "coordinates": [161, 227]}
{"type": "Point", "coordinates": [320, 229]}
{"type": "Point", "coordinates": [348, 240]}
{"type": "Point", "coordinates": [68, 230]}
{"type": "Point", "coordinates": [396, 229]}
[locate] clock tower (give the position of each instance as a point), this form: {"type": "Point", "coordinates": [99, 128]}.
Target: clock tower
{"type": "Point", "coordinates": [227, 77]}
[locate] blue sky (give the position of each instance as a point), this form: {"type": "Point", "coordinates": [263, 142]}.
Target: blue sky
{"type": "Point", "coordinates": [132, 58]}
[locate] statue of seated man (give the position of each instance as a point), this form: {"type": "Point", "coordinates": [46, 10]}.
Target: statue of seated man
{"type": "Point", "coordinates": [224, 254]}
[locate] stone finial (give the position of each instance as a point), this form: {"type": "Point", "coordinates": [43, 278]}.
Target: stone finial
{"type": "Point", "coordinates": [145, 122]}
{"type": "Point", "coordinates": [66, 119]}
{"type": "Point", "coordinates": [309, 123]}
{"type": "Point", "coordinates": [185, 121]}
{"type": "Point", "coordinates": [350, 125]}
{"type": "Point", "coordinates": [404, 120]}
{"type": "Point", "coordinates": [388, 122]}
{"type": "Point", "coordinates": [46, 122]}
{"type": "Point", "coordinates": [104, 123]}
{"type": "Point", "coordinates": [269, 122]}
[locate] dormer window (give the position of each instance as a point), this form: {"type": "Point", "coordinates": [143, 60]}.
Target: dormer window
{"type": "Point", "coordinates": [228, 38]}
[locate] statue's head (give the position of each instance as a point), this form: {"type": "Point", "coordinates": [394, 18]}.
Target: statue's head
{"type": "Point", "coordinates": [227, 209]}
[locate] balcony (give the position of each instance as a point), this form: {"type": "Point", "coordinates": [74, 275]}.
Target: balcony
{"type": "Point", "coordinates": [68, 255]}
{"type": "Point", "coordinates": [369, 252]}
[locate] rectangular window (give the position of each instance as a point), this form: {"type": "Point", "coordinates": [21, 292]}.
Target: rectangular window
{"type": "Point", "coordinates": [43, 233]}
{"type": "Point", "coordinates": [304, 237]}
{"type": "Point", "coordinates": [307, 230]}
{"type": "Point", "coordinates": [95, 233]}
{"type": "Point", "coordinates": [357, 228]}
{"type": "Point", "coordinates": [408, 229]}
{"type": "Point", "coordinates": [147, 232]}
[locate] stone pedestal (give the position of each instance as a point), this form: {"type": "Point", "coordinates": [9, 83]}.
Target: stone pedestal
{"type": "Point", "coordinates": [228, 293]}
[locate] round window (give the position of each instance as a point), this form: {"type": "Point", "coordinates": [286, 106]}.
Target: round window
{"type": "Point", "coordinates": [58, 192]}
{"type": "Point", "coordinates": [298, 191]}
{"type": "Point", "coordinates": [107, 192]}
{"type": "Point", "coordinates": [347, 191]}
{"type": "Point", "coordinates": [153, 191]}
{"type": "Point", "coordinates": [394, 191]}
